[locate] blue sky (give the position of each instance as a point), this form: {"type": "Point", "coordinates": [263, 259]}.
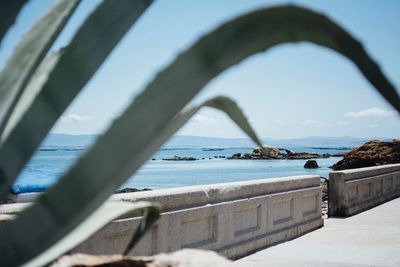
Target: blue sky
{"type": "Point", "coordinates": [289, 91]}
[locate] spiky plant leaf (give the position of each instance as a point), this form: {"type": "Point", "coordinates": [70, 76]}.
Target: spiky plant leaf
{"type": "Point", "coordinates": [150, 216]}
{"type": "Point", "coordinates": [107, 212]}
{"type": "Point", "coordinates": [58, 213]}
{"type": "Point", "coordinates": [28, 55]}
{"type": "Point", "coordinates": [91, 45]}
{"type": "Point", "coordinates": [32, 90]}
{"type": "Point", "coordinates": [136, 134]}
{"type": "Point", "coordinates": [8, 12]}
{"type": "Point", "coordinates": [224, 47]}
{"type": "Point", "coordinates": [222, 103]}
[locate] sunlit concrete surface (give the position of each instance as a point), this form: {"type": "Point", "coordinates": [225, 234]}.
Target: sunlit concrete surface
{"type": "Point", "coordinates": [233, 219]}
{"type": "Point", "coordinates": [371, 238]}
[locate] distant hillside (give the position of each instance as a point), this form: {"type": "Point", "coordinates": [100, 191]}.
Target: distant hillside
{"type": "Point", "coordinates": [198, 141]}
{"type": "Point", "coordinates": [313, 141]}
{"type": "Point", "coordinates": [318, 141]}
{"type": "Point", "coordinates": [69, 140]}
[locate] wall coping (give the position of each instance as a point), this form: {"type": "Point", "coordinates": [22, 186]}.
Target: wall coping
{"type": "Point", "coordinates": [353, 174]}
{"type": "Point", "coordinates": [353, 191]}
{"type": "Point", "coordinates": [200, 195]}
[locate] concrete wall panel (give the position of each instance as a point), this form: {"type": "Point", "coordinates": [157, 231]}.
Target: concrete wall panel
{"type": "Point", "coordinates": [233, 219]}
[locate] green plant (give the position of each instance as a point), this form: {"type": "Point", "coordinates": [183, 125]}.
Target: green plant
{"type": "Point", "coordinates": [41, 88]}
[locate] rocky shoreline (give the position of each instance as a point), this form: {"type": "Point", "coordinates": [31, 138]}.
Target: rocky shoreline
{"type": "Point", "coordinates": [372, 153]}
{"type": "Point", "coordinates": [324, 199]}
{"type": "Point", "coordinates": [131, 190]}
{"type": "Point", "coordinates": [264, 153]}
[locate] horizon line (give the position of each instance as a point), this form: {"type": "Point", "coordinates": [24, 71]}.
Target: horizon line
{"type": "Point", "coordinates": [244, 138]}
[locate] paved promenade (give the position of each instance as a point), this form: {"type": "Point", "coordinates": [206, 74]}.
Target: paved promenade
{"type": "Point", "coordinates": [371, 238]}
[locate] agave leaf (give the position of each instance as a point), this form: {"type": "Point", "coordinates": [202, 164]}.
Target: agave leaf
{"type": "Point", "coordinates": [97, 179]}
{"type": "Point", "coordinates": [91, 45]}
{"type": "Point", "coordinates": [107, 212]}
{"type": "Point", "coordinates": [150, 216]}
{"type": "Point", "coordinates": [8, 12]}
{"type": "Point", "coordinates": [222, 103]}
{"type": "Point", "coordinates": [32, 90]}
{"type": "Point", "coordinates": [228, 106]}
{"type": "Point", "coordinates": [28, 55]}
{"type": "Point", "coordinates": [135, 135]}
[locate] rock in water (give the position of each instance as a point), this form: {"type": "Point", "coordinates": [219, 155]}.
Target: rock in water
{"type": "Point", "coordinates": [304, 155]}
{"type": "Point", "coordinates": [130, 190]}
{"type": "Point", "coordinates": [372, 153]}
{"type": "Point", "coordinates": [267, 151]}
{"type": "Point", "coordinates": [178, 158]}
{"type": "Point", "coordinates": [311, 164]}
{"type": "Point", "coordinates": [235, 156]}
{"type": "Point", "coordinates": [247, 156]}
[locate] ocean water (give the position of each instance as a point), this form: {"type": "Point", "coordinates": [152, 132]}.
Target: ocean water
{"type": "Point", "coordinates": [50, 163]}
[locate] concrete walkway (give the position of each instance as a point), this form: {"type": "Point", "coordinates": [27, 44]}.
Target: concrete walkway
{"type": "Point", "coordinates": [371, 238]}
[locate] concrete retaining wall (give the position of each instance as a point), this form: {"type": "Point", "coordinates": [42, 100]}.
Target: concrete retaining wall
{"type": "Point", "coordinates": [353, 191]}
{"type": "Point", "coordinates": [233, 219]}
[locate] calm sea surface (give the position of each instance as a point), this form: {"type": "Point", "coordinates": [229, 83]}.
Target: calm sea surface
{"type": "Point", "coordinates": [49, 163]}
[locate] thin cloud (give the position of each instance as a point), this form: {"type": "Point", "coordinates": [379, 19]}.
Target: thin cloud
{"type": "Point", "coordinates": [309, 123]}
{"type": "Point", "coordinates": [75, 118]}
{"type": "Point", "coordinates": [372, 125]}
{"type": "Point", "coordinates": [203, 119]}
{"type": "Point", "coordinates": [322, 125]}
{"type": "Point", "coordinates": [371, 112]}
{"type": "Point", "coordinates": [315, 124]}
{"type": "Point", "coordinates": [342, 123]}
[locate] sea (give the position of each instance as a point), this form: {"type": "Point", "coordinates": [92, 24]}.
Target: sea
{"type": "Point", "coordinates": [50, 163]}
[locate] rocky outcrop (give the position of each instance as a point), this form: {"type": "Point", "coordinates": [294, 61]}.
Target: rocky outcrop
{"type": "Point", "coordinates": [178, 158]}
{"type": "Point", "coordinates": [130, 190]}
{"type": "Point", "coordinates": [311, 164]}
{"type": "Point", "coordinates": [265, 152]}
{"type": "Point", "coordinates": [236, 156]}
{"type": "Point", "coordinates": [372, 153]}
{"type": "Point", "coordinates": [304, 155]}
{"type": "Point", "coordinates": [324, 204]}
{"type": "Point", "coordinates": [288, 152]}
{"type": "Point", "coordinates": [268, 152]}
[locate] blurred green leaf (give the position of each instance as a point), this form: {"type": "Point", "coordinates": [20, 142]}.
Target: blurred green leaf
{"type": "Point", "coordinates": [28, 55]}
{"type": "Point", "coordinates": [9, 10]}
{"type": "Point", "coordinates": [228, 106]}
{"type": "Point", "coordinates": [98, 178]}
{"type": "Point", "coordinates": [222, 103]}
{"type": "Point", "coordinates": [91, 45]}
{"type": "Point", "coordinates": [150, 216]}
{"type": "Point", "coordinates": [109, 211]}
{"type": "Point", "coordinates": [145, 125]}
{"type": "Point", "coordinates": [32, 90]}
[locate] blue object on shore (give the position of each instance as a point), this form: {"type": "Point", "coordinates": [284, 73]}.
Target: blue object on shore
{"type": "Point", "coordinates": [28, 188]}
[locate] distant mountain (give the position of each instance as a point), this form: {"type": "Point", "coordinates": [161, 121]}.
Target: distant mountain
{"type": "Point", "coordinates": [313, 141]}
{"type": "Point", "coordinates": [199, 141]}
{"type": "Point", "coordinates": [69, 140]}
{"type": "Point", "coordinates": [319, 141]}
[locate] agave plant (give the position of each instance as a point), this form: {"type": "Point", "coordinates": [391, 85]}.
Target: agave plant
{"type": "Point", "coordinates": [37, 86]}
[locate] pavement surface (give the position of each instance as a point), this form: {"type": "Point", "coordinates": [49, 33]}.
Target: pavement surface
{"type": "Point", "coordinates": [371, 238]}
